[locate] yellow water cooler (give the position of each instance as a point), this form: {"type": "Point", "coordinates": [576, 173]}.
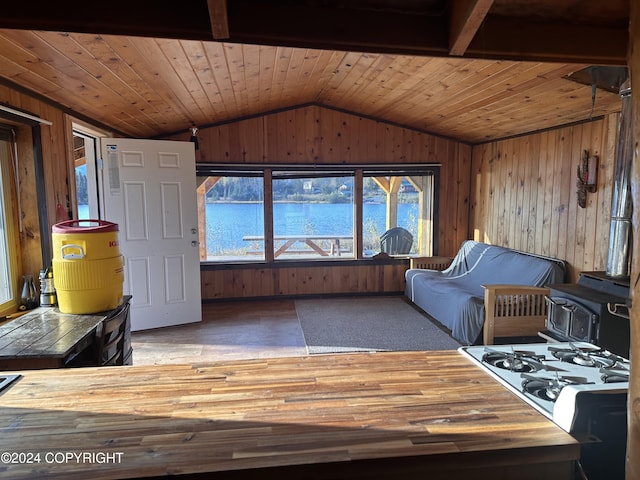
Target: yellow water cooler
{"type": "Point", "coordinates": [87, 266]}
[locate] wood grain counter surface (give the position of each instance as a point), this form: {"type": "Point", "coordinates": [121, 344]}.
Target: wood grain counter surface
{"type": "Point", "coordinates": [45, 338]}
{"type": "Point", "coordinates": [365, 415]}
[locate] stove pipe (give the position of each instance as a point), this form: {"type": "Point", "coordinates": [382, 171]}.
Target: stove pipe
{"type": "Point", "coordinates": [619, 259]}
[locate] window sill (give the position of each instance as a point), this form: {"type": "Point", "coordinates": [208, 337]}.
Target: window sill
{"type": "Point", "coordinates": [294, 263]}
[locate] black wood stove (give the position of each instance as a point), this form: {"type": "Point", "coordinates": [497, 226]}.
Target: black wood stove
{"type": "Point", "coordinates": [594, 310]}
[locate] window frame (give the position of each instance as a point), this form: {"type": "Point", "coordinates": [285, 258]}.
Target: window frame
{"type": "Point", "coordinates": [7, 177]}
{"type": "Point", "coordinates": [93, 174]}
{"type": "Point", "coordinates": [358, 172]}
{"type": "Point", "coordinates": [20, 119]}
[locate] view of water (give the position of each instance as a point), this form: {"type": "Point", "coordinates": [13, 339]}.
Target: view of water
{"type": "Point", "coordinates": [228, 223]}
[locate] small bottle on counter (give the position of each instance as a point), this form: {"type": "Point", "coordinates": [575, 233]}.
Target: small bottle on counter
{"type": "Point", "coordinates": [48, 296]}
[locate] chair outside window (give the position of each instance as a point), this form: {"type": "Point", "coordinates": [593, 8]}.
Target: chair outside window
{"type": "Point", "coordinates": [396, 241]}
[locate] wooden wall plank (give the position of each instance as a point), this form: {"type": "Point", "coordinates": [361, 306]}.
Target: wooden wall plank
{"type": "Point", "coordinates": [606, 171]}
{"type": "Point", "coordinates": [531, 191]}
{"type": "Point", "coordinates": [547, 237]}
{"type": "Point", "coordinates": [502, 161]}
{"type": "Point", "coordinates": [592, 142]}
{"type": "Point", "coordinates": [534, 191]}
{"type": "Point", "coordinates": [511, 194]}
{"type": "Point", "coordinates": [564, 197]}
{"type": "Point", "coordinates": [583, 228]}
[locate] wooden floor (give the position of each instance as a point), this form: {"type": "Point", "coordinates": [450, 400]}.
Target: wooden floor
{"type": "Point", "coordinates": [229, 331]}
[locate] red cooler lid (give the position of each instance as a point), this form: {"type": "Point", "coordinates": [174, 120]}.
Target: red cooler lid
{"type": "Point", "coordinates": [84, 226]}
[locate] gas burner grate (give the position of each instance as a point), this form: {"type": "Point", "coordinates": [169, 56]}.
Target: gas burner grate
{"type": "Point", "coordinates": [588, 357]}
{"type": "Point", "coordinates": [549, 388]}
{"type": "Point", "coordinates": [610, 375]}
{"type": "Point", "coordinates": [516, 361]}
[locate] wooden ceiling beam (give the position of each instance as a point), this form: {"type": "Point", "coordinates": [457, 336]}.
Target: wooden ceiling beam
{"type": "Point", "coordinates": [143, 18]}
{"type": "Point", "coordinates": [465, 18]}
{"type": "Point", "coordinates": [333, 28]}
{"type": "Point", "coordinates": [218, 18]}
{"type": "Point", "coordinates": [530, 40]}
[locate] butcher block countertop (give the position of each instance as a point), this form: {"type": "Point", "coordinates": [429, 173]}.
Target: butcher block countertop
{"type": "Point", "coordinates": [364, 415]}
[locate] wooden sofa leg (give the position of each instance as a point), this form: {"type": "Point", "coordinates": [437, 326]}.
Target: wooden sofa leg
{"type": "Point", "coordinates": [489, 316]}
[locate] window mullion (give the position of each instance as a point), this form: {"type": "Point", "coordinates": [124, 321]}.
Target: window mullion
{"type": "Point", "coordinates": [268, 215]}
{"type": "Point", "coordinates": [358, 214]}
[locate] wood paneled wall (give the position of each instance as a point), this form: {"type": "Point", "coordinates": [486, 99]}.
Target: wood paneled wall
{"type": "Point", "coordinates": [54, 140]}
{"type": "Point", "coordinates": [311, 135]}
{"type": "Point", "coordinates": [524, 194]}
{"type": "Point", "coordinates": [317, 135]}
{"type": "Point", "coordinates": [323, 278]}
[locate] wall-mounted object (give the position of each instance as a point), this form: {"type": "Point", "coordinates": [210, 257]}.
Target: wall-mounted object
{"type": "Point", "coordinates": [587, 177]}
{"type": "Point", "coordinates": [194, 137]}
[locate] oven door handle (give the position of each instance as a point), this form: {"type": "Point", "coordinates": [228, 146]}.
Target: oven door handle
{"type": "Point", "coordinates": [563, 305]}
{"type": "Point", "coordinates": [552, 301]}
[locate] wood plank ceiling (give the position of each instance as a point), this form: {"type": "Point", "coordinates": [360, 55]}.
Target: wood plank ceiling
{"type": "Point", "coordinates": [148, 77]}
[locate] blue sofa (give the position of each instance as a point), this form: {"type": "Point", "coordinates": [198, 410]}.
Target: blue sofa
{"type": "Point", "coordinates": [457, 296]}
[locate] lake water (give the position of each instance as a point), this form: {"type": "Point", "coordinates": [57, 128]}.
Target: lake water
{"type": "Point", "coordinates": [228, 223]}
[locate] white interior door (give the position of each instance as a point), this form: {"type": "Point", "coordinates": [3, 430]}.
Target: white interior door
{"type": "Point", "coordinates": [149, 190]}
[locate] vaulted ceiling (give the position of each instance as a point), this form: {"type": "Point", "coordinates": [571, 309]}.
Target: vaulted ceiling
{"type": "Point", "coordinates": [474, 70]}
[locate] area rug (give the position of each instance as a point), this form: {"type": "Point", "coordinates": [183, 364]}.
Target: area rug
{"type": "Point", "coordinates": [356, 324]}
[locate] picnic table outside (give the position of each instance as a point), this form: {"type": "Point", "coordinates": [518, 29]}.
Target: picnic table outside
{"type": "Point", "coordinates": [315, 242]}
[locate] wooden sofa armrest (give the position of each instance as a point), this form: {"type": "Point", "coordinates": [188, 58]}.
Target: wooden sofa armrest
{"type": "Point", "coordinates": [431, 263]}
{"type": "Point", "coordinates": [513, 310]}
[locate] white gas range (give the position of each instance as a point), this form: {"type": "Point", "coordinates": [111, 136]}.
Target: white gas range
{"type": "Point", "coordinates": [579, 386]}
